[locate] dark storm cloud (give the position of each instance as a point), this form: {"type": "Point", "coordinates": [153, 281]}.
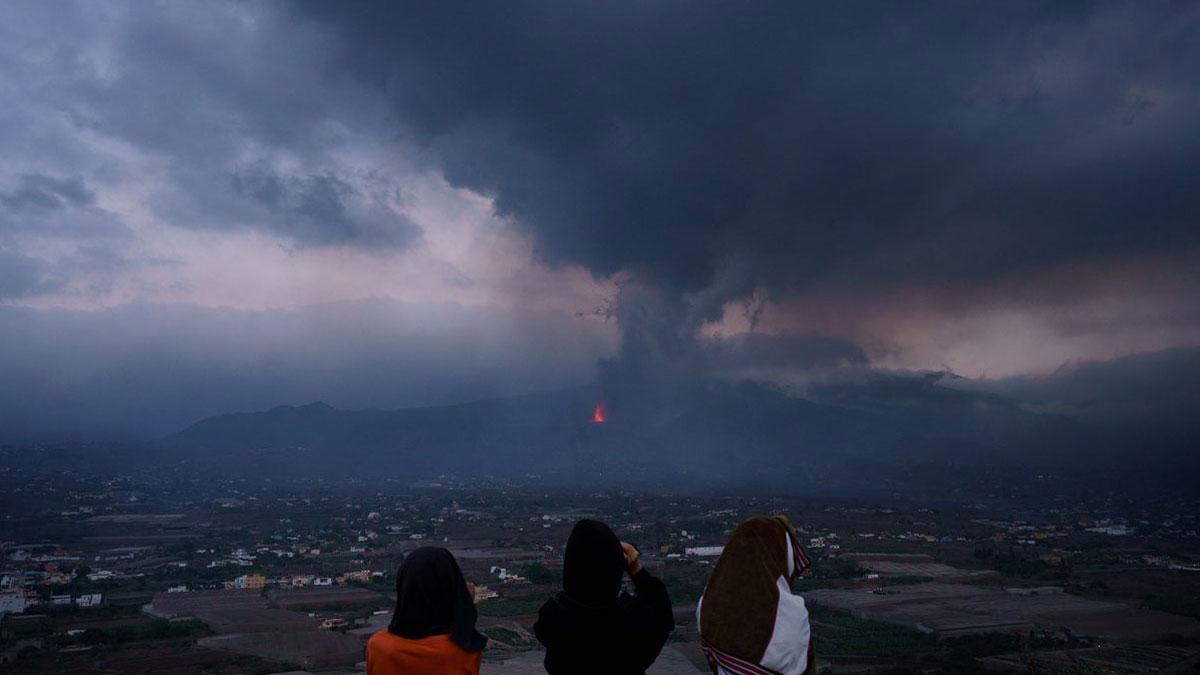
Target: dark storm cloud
{"type": "Point", "coordinates": [317, 209]}
{"type": "Point", "coordinates": [790, 351]}
{"type": "Point", "coordinates": [36, 191]}
{"type": "Point", "coordinates": [180, 100]}
{"type": "Point", "coordinates": [851, 144]}
{"type": "Point", "coordinates": [1147, 404]}
{"type": "Point", "coordinates": [713, 151]}
{"type": "Point", "coordinates": [22, 275]}
{"type": "Point", "coordinates": [1159, 388]}
{"type": "Point", "coordinates": [47, 205]}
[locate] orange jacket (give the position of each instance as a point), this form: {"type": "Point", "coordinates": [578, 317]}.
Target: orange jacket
{"type": "Point", "coordinates": [390, 654]}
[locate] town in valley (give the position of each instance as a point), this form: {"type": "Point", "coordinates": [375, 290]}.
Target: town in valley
{"type": "Point", "coordinates": [143, 573]}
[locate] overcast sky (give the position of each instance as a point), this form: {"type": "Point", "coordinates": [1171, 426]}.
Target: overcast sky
{"type": "Point", "coordinates": [216, 206]}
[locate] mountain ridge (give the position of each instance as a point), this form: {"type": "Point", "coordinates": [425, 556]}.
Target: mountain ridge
{"type": "Point", "coordinates": [722, 430]}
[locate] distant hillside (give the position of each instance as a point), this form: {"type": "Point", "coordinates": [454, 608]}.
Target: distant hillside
{"type": "Point", "coordinates": [491, 436]}
{"type": "Point", "coordinates": [718, 433]}
{"type": "Point", "coordinates": [922, 438]}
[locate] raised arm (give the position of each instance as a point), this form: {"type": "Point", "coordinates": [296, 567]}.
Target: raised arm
{"type": "Point", "coordinates": [651, 610]}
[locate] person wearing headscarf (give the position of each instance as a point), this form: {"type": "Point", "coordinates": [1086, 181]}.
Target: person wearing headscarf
{"type": "Point", "coordinates": [432, 631]}
{"type": "Point", "coordinates": [750, 622]}
{"type": "Point", "coordinates": [593, 627]}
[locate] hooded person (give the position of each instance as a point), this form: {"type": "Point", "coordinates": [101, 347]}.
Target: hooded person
{"type": "Point", "coordinates": [750, 623]}
{"type": "Point", "coordinates": [593, 627]}
{"type": "Point", "coordinates": [432, 631]}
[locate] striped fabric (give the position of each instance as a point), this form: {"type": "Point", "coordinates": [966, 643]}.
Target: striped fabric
{"type": "Point", "coordinates": [732, 664]}
{"type": "Point", "coordinates": [800, 559]}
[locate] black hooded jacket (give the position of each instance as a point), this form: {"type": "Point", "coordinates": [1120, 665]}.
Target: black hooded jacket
{"type": "Point", "coordinates": [591, 627]}
{"type": "Point", "coordinates": [432, 599]}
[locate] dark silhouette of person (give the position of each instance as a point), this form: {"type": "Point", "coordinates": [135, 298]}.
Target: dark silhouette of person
{"type": "Point", "coordinates": [592, 626]}
{"type": "Point", "coordinates": [432, 631]}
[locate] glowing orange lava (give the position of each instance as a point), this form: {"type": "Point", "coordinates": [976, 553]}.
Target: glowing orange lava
{"type": "Point", "coordinates": [599, 416]}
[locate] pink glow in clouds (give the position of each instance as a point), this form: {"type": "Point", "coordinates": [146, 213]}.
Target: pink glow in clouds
{"type": "Point", "coordinates": [1029, 324]}
{"type": "Point", "coordinates": [464, 256]}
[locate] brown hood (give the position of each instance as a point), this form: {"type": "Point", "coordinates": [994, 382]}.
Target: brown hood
{"type": "Point", "coordinates": [737, 615]}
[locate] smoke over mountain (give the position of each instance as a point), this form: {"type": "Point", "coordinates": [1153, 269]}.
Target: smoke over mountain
{"type": "Point", "coordinates": [730, 161]}
{"type": "Point", "coordinates": [440, 203]}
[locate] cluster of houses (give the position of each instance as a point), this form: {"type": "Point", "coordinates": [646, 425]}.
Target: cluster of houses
{"type": "Point", "coordinates": [19, 589]}
{"type": "Point", "coordinates": [257, 581]}
{"type": "Point", "coordinates": [16, 600]}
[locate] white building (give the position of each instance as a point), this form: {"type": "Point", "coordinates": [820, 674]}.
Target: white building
{"type": "Point", "coordinates": [12, 602]}
{"type": "Point", "coordinates": [1115, 530]}
{"type": "Point", "coordinates": [704, 551]}
{"type": "Point", "coordinates": [507, 577]}
{"type": "Point", "coordinates": [89, 600]}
